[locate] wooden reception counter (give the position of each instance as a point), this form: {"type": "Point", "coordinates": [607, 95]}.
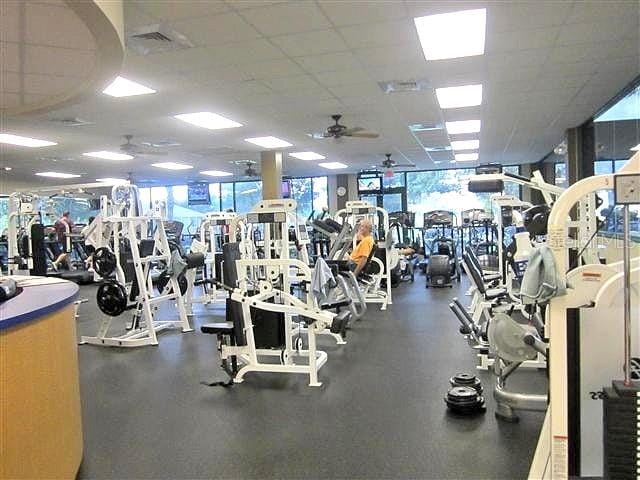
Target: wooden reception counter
{"type": "Point", "coordinates": [40, 416]}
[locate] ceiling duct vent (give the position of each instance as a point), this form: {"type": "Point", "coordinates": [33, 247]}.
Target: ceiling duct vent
{"type": "Point", "coordinates": [396, 86]}
{"type": "Point", "coordinates": [156, 38]}
{"type": "Point", "coordinates": [72, 122]}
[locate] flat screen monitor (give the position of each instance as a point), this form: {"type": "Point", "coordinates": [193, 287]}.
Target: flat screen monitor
{"type": "Point", "coordinates": [489, 168]}
{"type": "Point", "coordinates": [198, 194]}
{"type": "Point", "coordinates": [286, 189]}
{"type": "Point", "coordinates": [369, 185]}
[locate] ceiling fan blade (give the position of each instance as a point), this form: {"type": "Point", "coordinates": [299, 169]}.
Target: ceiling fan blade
{"type": "Point", "coordinates": [351, 131]}
{"type": "Point", "coordinates": [149, 152]}
{"type": "Point", "coordinates": [363, 135]}
{"type": "Point", "coordinates": [319, 136]}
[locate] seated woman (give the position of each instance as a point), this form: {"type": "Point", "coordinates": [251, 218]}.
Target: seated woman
{"type": "Point", "coordinates": [363, 248]}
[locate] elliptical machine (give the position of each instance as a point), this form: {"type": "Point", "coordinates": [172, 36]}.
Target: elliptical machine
{"type": "Point", "coordinates": [442, 266]}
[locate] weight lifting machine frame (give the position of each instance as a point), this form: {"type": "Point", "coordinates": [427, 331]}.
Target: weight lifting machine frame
{"type": "Point", "coordinates": [116, 221]}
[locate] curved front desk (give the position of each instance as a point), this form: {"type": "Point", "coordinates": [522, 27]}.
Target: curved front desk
{"type": "Point", "coordinates": [40, 415]}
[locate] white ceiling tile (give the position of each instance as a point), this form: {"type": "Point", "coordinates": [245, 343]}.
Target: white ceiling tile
{"type": "Point", "coordinates": [557, 80]}
{"type": "Point", "coordinates": [171, 10]}
{"type": "Point", "coordinates": [398, 32]}
{"type": "Point", "coordinates": [72, 63]}
{"type": "Point", "coordinates": [412, 70]}
{"type": "Point", "coordinates": [46, 84]}
{"type": "Point", "coordinates": [503, 73]}
{"type": "Point", "coordinates": [521, 40]}
{"type": "Point", "coordinates": [590, 11]}
{"type": "Point", "coordinates": [246, 52]}
{"type": "Point", "coordinates": [286, 18]}
{"type": "Point", "coordinates": [503, 88]}
{"type": "Point", "coordinates": [581, 53]}
{"type": "Point", "coordinates": [10, 100]}
{"type": "Point", "coordinates": [508, 16]}
{"type": "Point", "coordinates": [520, 59]}
{"type": "Point", "coordinates": [134, 16]}
{"type": "Point", "coordinates": [66, 31]}
{"type": "Point", "coordinates": [328, 62]}
{"type": "Point", "coordinates": [219, 74]}
{"type": "Point", "coordinates": [357, 90]}
{"type": "Point", "coordinates": [216, 30]}
{"type": "Point", "coordinates": [342, 13]}
{"type": "Point", "coordinates": [243, 4]}
{"type": "Point", "coordinates": [10, 55]}
{"type": "Point", "coordinates": [310, 43]}
{"type": "Point", "coordinates": [10, 81]}
{"type": "Point", "coordinates": [342, 77]}
{"type": "Point", "coordinates": [569, 69]}
{"type": "Point", "coordinates": [419, 8]}
{"type": "Point", "coordinates": [579, 33]}
{"type": "Point", "coordinates": [380, 56]}
{"type": "Point", "coordinates": [273, 69]}
{"type": "Point", "coordinates": [547, 99]}
{"type": "Point", "coordinates": [8, 26]}
{"type": "Point", "coordinates": [298, 82]}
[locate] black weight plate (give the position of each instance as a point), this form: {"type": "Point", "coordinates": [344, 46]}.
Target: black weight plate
{"type": "Point", "coordinates": [111, 298]}
{"type": "Point", "coordinates": [163, 280]}
{"type": "Point", "coordinates": [104, 261]}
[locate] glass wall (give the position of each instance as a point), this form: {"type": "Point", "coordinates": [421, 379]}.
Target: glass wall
{"type": "Point", "coordinates": [4, 214]}
{"type": "Point", "coordinates": [617, 132]}
{"type": "Point", "coordinates": [447, 190]}
{"type": "Point", "coordinates": [310, 193]}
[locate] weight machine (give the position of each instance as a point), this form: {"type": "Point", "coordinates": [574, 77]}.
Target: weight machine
{"type": "Point", "coordinates": [353, 213]}
{"type": "Point", "coordinates": [23, 214]}
{"type": "Point", "coordinates": [593, 318]}
{"type": "Point", "coordinates": [214, 233]}
{"type": "Point", "coordinates": [442, 263]}
{"type": "Point", "coordinates": [127, 249]}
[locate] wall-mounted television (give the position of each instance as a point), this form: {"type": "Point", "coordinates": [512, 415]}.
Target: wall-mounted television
{"type": "Point", "coordinates": [286, 189]}
{"type": "Point", "coordinates": [369, 184]}
{"type": "Point", "coordinates": [198, 194]}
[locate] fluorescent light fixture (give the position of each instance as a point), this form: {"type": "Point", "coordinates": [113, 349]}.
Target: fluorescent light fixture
{"type": "Point", "coordinates": [437, 148]}
{"type": "Point", "coordinates": [7, 169]}
{"type": "Point", "coordinates": [307, 156]}
{"type": "Point", "coordinates": [465, 145]}
{"type": "Point", "coordinates": [268, 142]}
{"type": "Point", "coordinates": [209, 120]}
{"type": "Point", "coordinates": [172, 166]}
{"type": "Point", "coordinates": [457, 97]}
{"type": "Point", "coordinates": [57, 175]}
{"type": "Point", "coordinates": [121, 87]}
{"type": "Point", "coordinates": [464, 126]}
{"type": "Point", "coordinates": [333, 165]}
{"type": "Point", "coordinates": [425, 127]}
{"type": "Point", "coordinates": [216, 173]}
{"type": "Point", "coordinates": [636, 148]}
{"type": "Point", "coordinates": [112, 180]}
{"type": "Point", "coordinates": [103, 154]}
{"type": "Point", "coordinates": [452, 35]}
{"type": "Point", "coordinates": [466, 157]}
{"type": "Point", "coordinates": [24, 141]}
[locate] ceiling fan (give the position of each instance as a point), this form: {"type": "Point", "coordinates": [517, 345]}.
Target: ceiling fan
{"type": "Point", "coordinates": [134, 149]}
{"type": "Point", "coordinates": [249, 171]}
{"type": "Point", "coordinates": [388, 164]}
{"type": "Point", "coordinates": [338, 131]}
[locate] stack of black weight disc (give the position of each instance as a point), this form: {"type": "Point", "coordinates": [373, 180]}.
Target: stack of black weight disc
{"type": "Point", "coordinates": [465, 395]}
{"type": "Point", "coordinates": [621, 428]}
{"type": "Point", "coordinates": [466, 380]}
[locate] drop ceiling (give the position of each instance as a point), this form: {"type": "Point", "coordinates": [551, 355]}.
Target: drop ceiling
{"type": "Point", "coordinates": [282, 68]}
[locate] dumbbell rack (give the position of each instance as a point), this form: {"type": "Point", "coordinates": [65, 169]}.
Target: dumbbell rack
{"type": "Point", "coordinates": [145, 328]}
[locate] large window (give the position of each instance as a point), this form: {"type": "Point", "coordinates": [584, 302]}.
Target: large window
{"type": "Point", "coordinates": [617, 132]}
{"type": "Point", "coordinates": [4, 214]}
{"type": "Point", "coordinates": [447, 190]}
{"type": "Point", "coordinates": [310, 193]}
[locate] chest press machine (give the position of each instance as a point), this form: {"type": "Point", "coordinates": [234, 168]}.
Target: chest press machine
{"type": "Point", "coordinates": [127, 245]}
{"type": "Point", "coordinates": [261, 307]}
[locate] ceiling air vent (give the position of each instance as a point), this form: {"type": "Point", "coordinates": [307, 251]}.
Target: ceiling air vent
{"type": "Point", "coordinates": [156, 38]}
{"type": "Point", "coordinates": [395, 86]}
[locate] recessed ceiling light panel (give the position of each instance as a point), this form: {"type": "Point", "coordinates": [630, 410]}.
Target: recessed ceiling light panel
{"type": "Point", "coordinates": [112, 181]}
{"type": "Point", "coordinates": [636, 148]}
{"type": "Point", "coordinates": [465, 145]}
{"type": "Point", "coordinates": [172, 166]}
{"type": "Point", "coordinates": [452, 35]}
{"type": "Point", "coordinates": [269, 142]}
{"type": "Point", "coordinates": [122, 87]}
{"type": "Point", "coordinates": [57, 175]}
{"type": "Point", "coordinates": [333, 165]}
{"type": "Point", "coordinates": [463, 126]}
{"type": "Point", "coordinates": [307, 156]}
{"type": "Point", "coordinates": [216, 173]}
{"type": "Point", "coordinates": [457, 97]}
{"type": "Point", "coordinates": [466, 157]}
{"type": "Point", "coordinates": [209, 120]}
{"type": "Point", "coordinates": [24, 141]}
{"type": "Point", "coordinates": [105, 155]}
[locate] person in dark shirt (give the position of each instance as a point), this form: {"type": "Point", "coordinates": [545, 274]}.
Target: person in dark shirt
{"type": "Point", "coordinates": [62, 226]}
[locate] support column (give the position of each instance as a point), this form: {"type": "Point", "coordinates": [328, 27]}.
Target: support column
{"type": "Point", "coordinates": [581, 152]}
{"type": "Point", "coordinates": [271, 171]}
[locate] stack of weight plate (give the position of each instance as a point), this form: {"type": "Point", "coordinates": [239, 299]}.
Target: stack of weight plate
{"type": "Point", "coordinates": [621, 427]}
{"type": "Point", "coordinates": [465, 395]}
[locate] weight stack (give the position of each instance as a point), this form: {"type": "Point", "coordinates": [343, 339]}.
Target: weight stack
{"type": "Point", "coordinates": [621, 431]}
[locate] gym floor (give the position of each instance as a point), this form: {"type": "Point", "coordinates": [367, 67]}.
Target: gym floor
{"type": "Point", "coordinates": [379, 413]}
